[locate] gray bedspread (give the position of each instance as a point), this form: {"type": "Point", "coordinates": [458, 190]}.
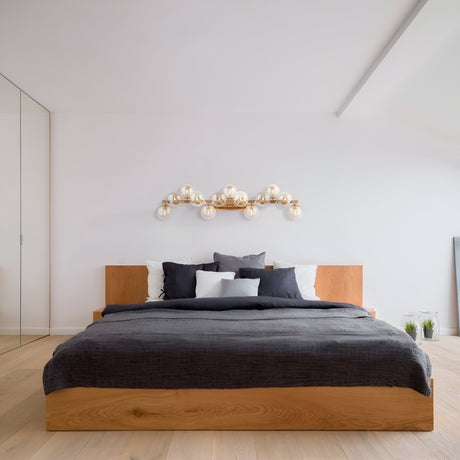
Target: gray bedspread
{"type": "Point", "coordinates": [238, 343]}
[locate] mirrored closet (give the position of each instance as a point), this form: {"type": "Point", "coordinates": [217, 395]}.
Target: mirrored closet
{"type": "Point", "coordinates": [24, 218]}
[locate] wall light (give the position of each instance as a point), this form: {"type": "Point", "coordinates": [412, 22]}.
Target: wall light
{"type": "Point", "coordinates": [230, 199]}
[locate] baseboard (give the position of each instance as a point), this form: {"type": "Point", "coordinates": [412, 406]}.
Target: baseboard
{"type": "Point", "coordinates": [24, 331]}
{"type": "Point", "coordinates": [34, 331]}
{"type": "Point", "coordinates": [41, 331]}
{"type": "Point", "coordinates": [66, 330]}
{"type": "Point", "coordinates": [9, 331]}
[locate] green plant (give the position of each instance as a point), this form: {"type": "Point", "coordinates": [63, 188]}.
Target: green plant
{"type": "Point", "coordinates": [428, 324]}
{"type": "Point", "coordinates": [411, 328]}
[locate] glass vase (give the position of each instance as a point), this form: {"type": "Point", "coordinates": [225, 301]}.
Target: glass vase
{"type": "Point", "coordinates": [429, 325]}
{"type": "Point", "coordinates": [410, 324]}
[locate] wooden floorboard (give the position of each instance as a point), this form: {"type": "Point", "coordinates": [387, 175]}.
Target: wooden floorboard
{"type": "Point", "coordinates": [23, 434]}
{"type": "Point", "coordinates": [8, 342]}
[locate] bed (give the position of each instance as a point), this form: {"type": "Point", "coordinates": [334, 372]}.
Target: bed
{"type": "Point", "coordinates": [278, 405]}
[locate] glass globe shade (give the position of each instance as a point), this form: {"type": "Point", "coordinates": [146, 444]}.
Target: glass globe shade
{"type": "Point", "coordinates": [295, 211]}
{"type": "Point", "coordinates": [285, 198]}
{"type": "Point", "coordinates": [273, 191]}
{"type": "Point", "coordinates": [196, 199]}
{"type": "Point", "coordinates": [164, 211]}
{"type": "Point", "coordinates": [174, 199]}
{"type": "Point", "coordinates": [186, 191]}
{"type": "Point", "coordinates": [251, 211]}
{"type": "Point", "coordinates": [262, 199]}
{"type": "Point", "coordinates": [230, 191]}
{"type": "Point", "coordinates": [218, 199]}
{"type": "Point", "coordinates": [241, 199]}
{"type": "Point", "coordinates": [208, 212]}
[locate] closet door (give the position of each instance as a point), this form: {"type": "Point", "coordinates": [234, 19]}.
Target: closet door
{"type": "Point", "coordinates": [34, 220]}
{"type": "Point", "coordinates": [9, 216]}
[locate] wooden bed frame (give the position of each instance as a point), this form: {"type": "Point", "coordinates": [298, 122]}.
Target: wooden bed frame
{"type": "Point", "coordinates": [298, 408]}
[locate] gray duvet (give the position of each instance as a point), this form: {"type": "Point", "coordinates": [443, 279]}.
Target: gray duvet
{"type": "Point", "coordinates": [238, 343]}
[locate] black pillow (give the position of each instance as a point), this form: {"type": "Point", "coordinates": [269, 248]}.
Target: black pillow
{"type": "Point", "coordinates": [274, 283]}
{"type": "Point", "coordinates": [180, 279]}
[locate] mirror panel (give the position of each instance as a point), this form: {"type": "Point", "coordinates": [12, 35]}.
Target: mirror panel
{"type": "Point", "coordinates": [10, 209]}
{"type": "Point", "coordinates": [35, 220]}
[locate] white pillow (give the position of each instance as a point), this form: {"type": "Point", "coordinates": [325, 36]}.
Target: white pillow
{"type": "Point", "coordinates": [209, 284]}
{"type": "Point", "coordinates": [155, 278]}
{"type": "Point", "coordinates": [305, 276]}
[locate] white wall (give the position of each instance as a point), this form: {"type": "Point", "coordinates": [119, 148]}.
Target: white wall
{"type": "Point", "coordinates": [373, 193]}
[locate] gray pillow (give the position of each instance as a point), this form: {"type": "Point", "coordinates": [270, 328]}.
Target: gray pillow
{"type": "Point", "coordinates": [240, 288]}
{"type": "Point", "coordinates": [234, 263]}
{"type": "Point", "coordinates": [274, 283]}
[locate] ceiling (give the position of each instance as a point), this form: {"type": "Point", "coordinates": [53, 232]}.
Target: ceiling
{"type": "Point", "coordinates": [232, 55]}
{"type": "Point", "coordinates": [148, 55]}
{"type": "Point", "coordinates": [418, 81]}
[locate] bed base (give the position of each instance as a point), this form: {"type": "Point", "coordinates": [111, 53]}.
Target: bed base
{"type": "Point", "coordinates": [301, 408]}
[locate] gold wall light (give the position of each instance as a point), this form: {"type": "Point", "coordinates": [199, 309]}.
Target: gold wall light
{"type": "Point", "coordinates": [230, 199]}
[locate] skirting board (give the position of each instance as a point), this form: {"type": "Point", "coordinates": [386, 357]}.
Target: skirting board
{"type": "Point", "coordinates": [66, 330]}
{"type": "Point", "coordinates": [448, 331]}
{"type": "Point", "coordinates": [302, 408]}
{"type": "Point", "coordinates": [24, 331]}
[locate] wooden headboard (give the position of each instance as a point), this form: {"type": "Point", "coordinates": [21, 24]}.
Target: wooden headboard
{"type": "Point", "coordinates": [126, 284]}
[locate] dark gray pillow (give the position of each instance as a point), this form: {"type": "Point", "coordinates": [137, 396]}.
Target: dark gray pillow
{"type": "Point", "coordinates": [234, 263]}
{"type": "Point", "coordinates": [180, 279]}
{"type": "Point", "coordinates": [274, 283]}
{"type": "Point", "coordinates": [240, 287]}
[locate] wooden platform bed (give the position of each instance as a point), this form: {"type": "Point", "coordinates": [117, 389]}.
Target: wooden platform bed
{"type": "Point", "coordinates": [299, 408]}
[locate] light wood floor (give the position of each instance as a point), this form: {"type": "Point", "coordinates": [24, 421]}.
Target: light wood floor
{"type": "Point", "coordinates": [23, 435]}
{"type": "Point", "coordinates": [8, 342]}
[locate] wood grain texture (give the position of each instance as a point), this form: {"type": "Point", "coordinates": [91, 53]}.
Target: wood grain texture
{"type": "Point", "coordinates": [340, 283]}
{"type": "Point", "coordinates": [97, 314]}
{"type": "Point", "coordinates": [305, 408]}
{"type": "Point", "coordinates": [125, 284]}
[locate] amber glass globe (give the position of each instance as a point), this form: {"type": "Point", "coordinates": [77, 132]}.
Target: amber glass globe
{"type": "Point", "coordinates": [230, 191]}
{"type": "Point", "coordinates": [208, 212]}
{"type": "Point", "coordinates": [186, 191]}
{"type": "Point", "coordinates": [295, 211]}
{"type": "Point", "coordinates": [251, 211]}
{"type": "Point", "coordinates": [273, 191]}
{"type": "Point", "coordinates": [164, 211]}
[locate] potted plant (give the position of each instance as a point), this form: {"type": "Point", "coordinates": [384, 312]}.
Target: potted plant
{"type": "Point", "coordinates": [411, 329]}
{"type": "Point", "coordinates": [428, 327]}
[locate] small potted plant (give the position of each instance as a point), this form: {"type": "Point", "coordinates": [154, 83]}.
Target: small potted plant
{"type": "Point", "coordinates": [428, 328]}
{"type": "Point", "coordinates": [411, 329]}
